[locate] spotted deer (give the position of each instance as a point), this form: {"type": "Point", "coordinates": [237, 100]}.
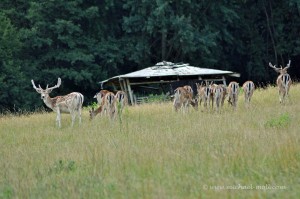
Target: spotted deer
{"type": "Point", "coordinates": [212, 86]}
{"type": "Point", "coordinates": [217, 96]}
{"type": "Point", "coordinates": [121, 101]}
{"type": "Point", "coordinates": [100, 95]}
{"type": "Point", "coordinates": [224, 94]}
{"type": "Point", "coordinates": [71, 103]}
{"type": "Point", "coordinates": [283, 81]}
{"type": "Point", "coordinates": [182, 99]}
{"type": "Point", "coordinates": [189, 89]}
{"type": "Point", "coordinates": [94, 112]}
{"type": "Point", "coordinates": [204, 94]}
{"type": "Point", "coordinates": [110, 104]}
{"type": "Point", "coordinates": [248, 88]}
{"type": "Point", "coordinates": [233, 93]}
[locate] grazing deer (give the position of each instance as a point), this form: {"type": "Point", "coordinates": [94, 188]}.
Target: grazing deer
{"type": "Point", "coordinates": [182, 98]}
{"type": "Point", "coordinates": [121, 101]}
{"type": "Point", "coordinates": [189, 89]}
{"type": "Point", "coordinates": [100, 96]}
{"type": "Point", "coordinates": [204, 94]}
{"type": "Point", "coordinates": [233, 93]}
{"type": "Point", "coordinates": [71, 103]}
{"type": "Point", "coordinates": [248, 88]}
{"type": "Point", "coordinates": [283, 81]}
{"type": "Point", "coordinates": [218, 96]}
{"type": "Point", "coordinates": [94, 112]}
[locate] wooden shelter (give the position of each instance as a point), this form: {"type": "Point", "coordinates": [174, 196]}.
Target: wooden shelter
{"type": "Point", "coordinates": [165, 72]}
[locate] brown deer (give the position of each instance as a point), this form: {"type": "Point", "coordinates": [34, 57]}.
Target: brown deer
{"type": "Point", "coordinates": [71, 103]}
{"type": "Point", "coordinates": [212, 86]}
{"type": "Point", "coordinates": [121, 101]}
{"type": "Point", "coordinates": [94, 112]}
{"type": "Point", "coordinates": [109, 104]}
{"type": "Point", "coordinates": [100, 95]}
{"type": "Point", "coordinates": [189, 89]}
{"type": "Point", "coordinates": [283, 81]}
{"type": "Point", "coordinates": [248, 88]}
{"type": "Point", "coordinates": [204, 94]}
{"type": "Point", "coordinates": [182, 99]}
{"type": "Point", "coordinates": [217, 96]}
{"type": "Point", "coordinates": [233, 93]}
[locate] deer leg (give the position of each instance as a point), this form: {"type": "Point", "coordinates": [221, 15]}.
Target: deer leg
{"type": "Point", "coordinates": [79, 115]}
{"type": "Point", "coordinates": [73, 116]}
{"type": "Point", "coordinates": [280, 97]}
{"type": "Point", "coordinates": [58, 118]}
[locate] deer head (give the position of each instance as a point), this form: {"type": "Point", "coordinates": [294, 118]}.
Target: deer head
{"type": "Point", "coordinates": [280, 70]}
{"type": "Point", "coordinates": [45, 92]}
{"type": "Point", "coordinates": [92, 113]}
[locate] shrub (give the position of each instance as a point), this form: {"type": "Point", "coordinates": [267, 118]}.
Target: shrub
{"type": "Point", "coordinates": [282, 121]}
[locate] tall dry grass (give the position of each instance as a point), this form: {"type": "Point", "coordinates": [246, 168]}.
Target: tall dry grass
{"type": "Point", "coordinates": [152, 152]}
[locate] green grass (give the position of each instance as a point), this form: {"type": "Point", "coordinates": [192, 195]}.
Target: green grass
{"type": "Point", "coordinates": [153, 152]}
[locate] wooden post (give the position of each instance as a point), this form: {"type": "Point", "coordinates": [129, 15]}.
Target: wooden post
{"type": "Point", "coordinates": [130, 91]}
{"type": "Point", "coordinates": [224, 80]}
{"type": "Point", "coordinates": [121, 85]}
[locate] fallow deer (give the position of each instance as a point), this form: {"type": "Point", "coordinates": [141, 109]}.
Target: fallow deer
{"type": "Point", "coordinates": [212, 86]}
{"type": "Point", "coordinates": [218, 96]}
{"type": "Point", "coordinates": [110, 104]}
{"type": "Point", "coordinates": [100, 96]}
{"type": "Point", "coordinates": [121, 101]}
{"type": "Point", "coordinates": [189, 89]}
{"type": "Point", "coordinates": [233, 93]}
{"type": "Point", "coordinates": [283, 81]}
{"type": "Point", "coordinates": [204, 94]}
{"type": "Point", "coordinates": [248, 88]}
{"type": "Point", "coordinates": [224, 94]}
{"type": "Point", "coordinates": [94, 112]}
{"type": "Point", "coordinates": [71, 103]}
{"type": "Point", "coordinates": [182, 99]}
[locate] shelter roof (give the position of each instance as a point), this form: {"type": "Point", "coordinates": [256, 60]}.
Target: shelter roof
{"type": "Point", "coordinates": [164, 69]}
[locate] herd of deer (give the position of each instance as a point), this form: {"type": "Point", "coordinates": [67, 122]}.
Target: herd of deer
{"type": "Point", "coordinates": [113, 104]}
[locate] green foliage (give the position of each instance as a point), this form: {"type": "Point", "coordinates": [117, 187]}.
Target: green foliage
{"type": "Point", "coordinates": [62, 166]}
{"type": "Point", "coordinates": [6, 192]}
{"type": "Point", "coordinates": [282, 121]}
{"type": "Point", "coordinates": [153, 98]}
{"type": "Point", "coordinates": [84, 42]}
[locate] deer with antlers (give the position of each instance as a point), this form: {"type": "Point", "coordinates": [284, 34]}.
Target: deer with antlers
{"type": "Point", "coordinates": [283, 81]}
{"type": "Point", "coordinates": [71, 103]}
{"type": "Point", "coordinates": [248, 88]}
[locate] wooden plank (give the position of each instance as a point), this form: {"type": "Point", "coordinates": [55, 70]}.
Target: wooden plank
{"type": "Point", "coordinates": [130, 91]}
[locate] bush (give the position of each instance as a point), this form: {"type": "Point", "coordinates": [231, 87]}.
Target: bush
{"type": "Point", "coordinates": [282, 121]}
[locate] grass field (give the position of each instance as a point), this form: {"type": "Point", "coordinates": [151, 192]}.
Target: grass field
{"type": "Point", "coordinates": [155, 153]}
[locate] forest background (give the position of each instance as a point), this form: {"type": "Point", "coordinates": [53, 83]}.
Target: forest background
{"type": "Point", "coordinates": [86, 41]}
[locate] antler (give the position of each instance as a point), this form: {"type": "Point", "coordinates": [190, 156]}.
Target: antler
{"type": "Point", "coordinates": [272, 66]}
{"type": "Point", "coordinates": [56, 86]}
{"type": "Point", "coordinates": [288, 65]}
{"type": "Point", "coordinates": [37, 89]}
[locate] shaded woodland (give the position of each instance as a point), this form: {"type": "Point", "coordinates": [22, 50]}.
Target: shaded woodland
{"type": "Point", "coordinates": [86, 41]}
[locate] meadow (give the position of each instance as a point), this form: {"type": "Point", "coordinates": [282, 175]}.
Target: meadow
{"type": "Point", "coordinates": [153, 152]}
